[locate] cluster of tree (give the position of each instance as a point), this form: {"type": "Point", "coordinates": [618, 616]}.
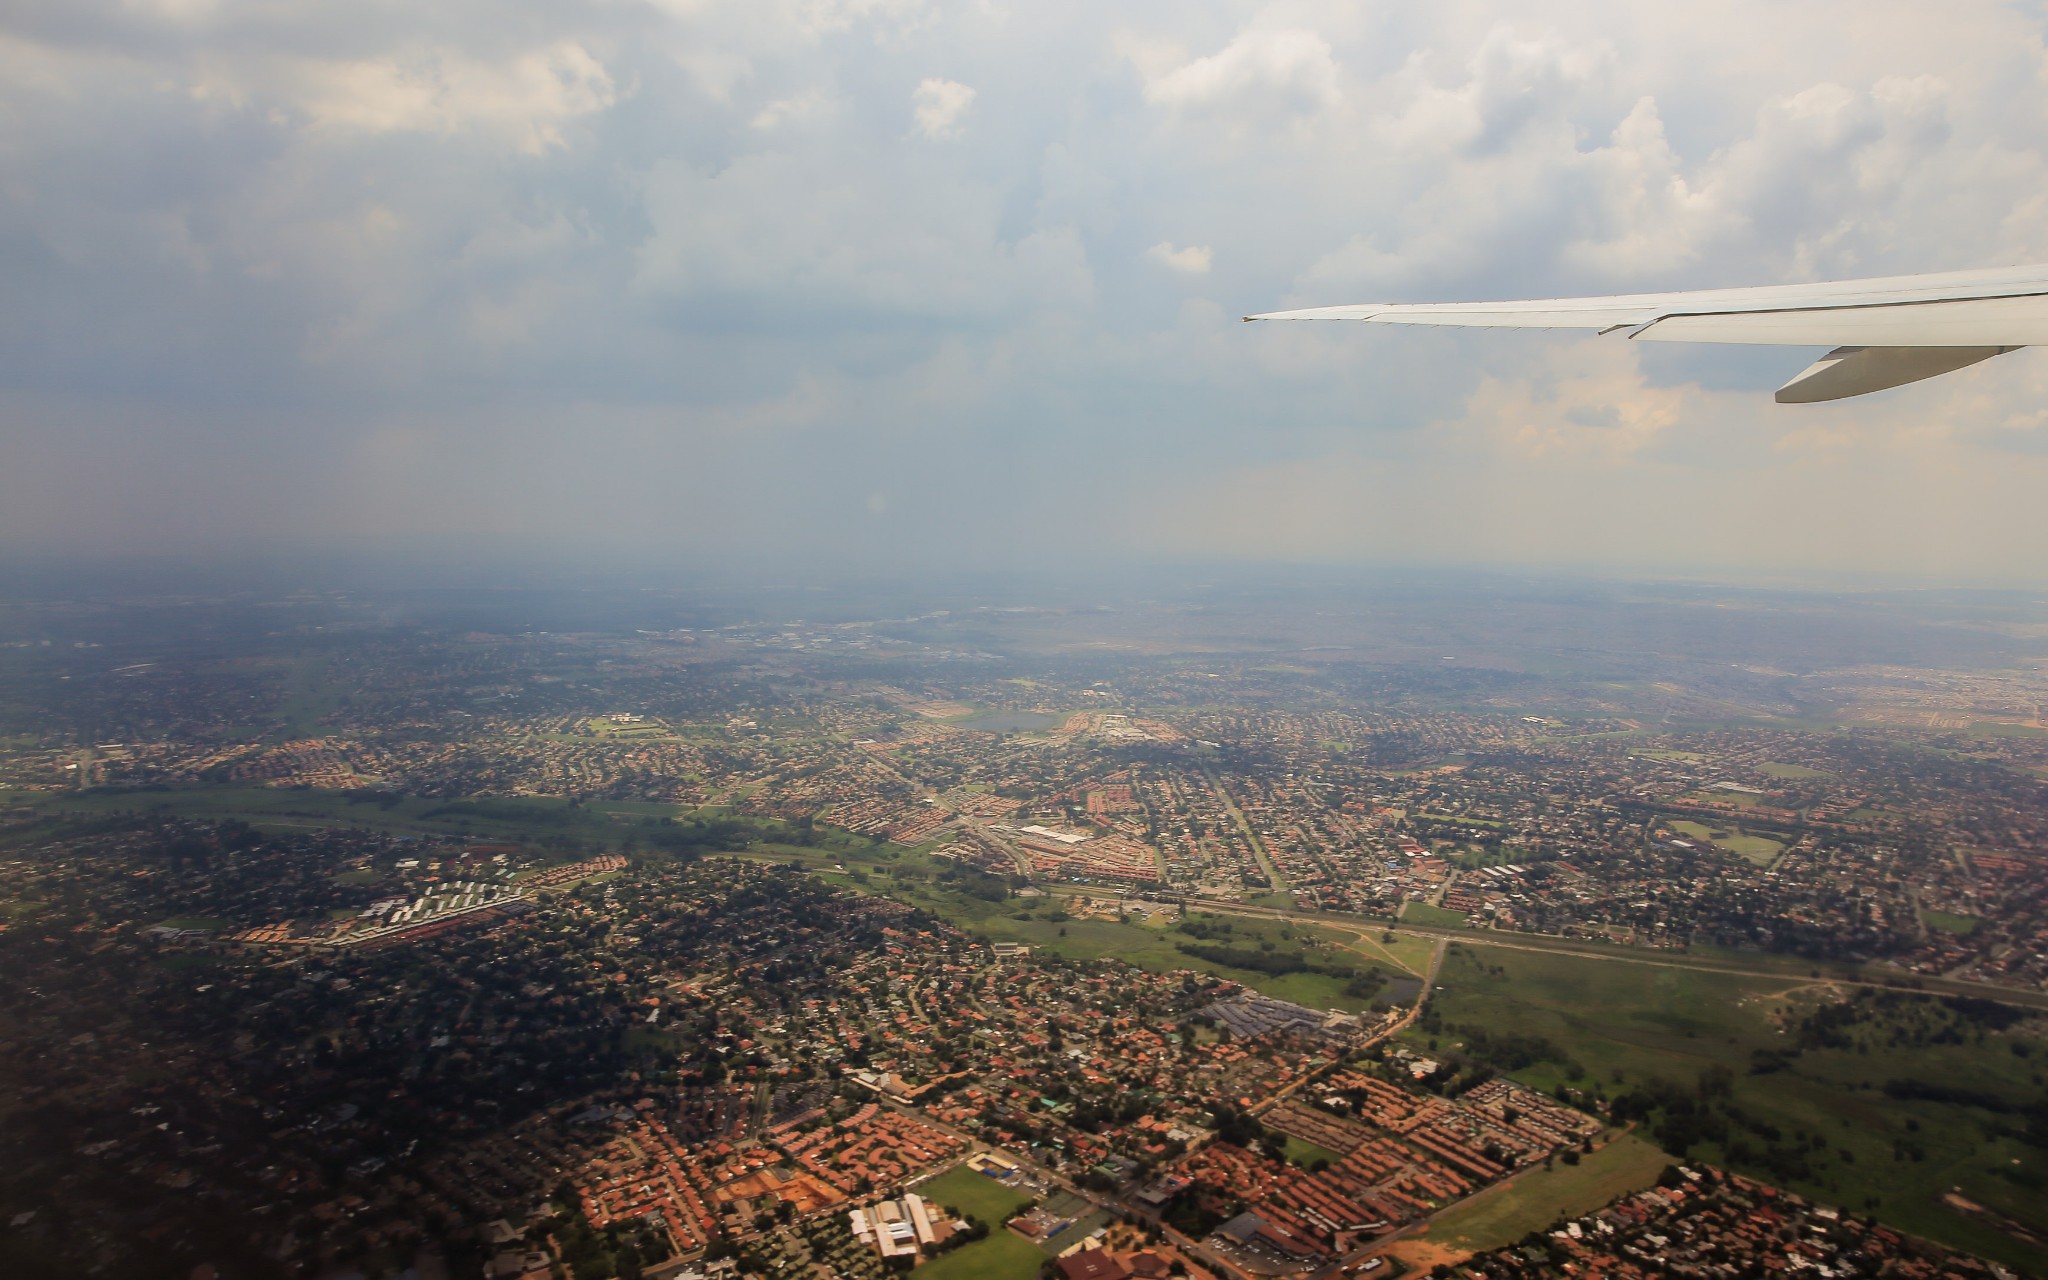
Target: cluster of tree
{"type": "Point", "coordinates": [1510, 1051]}
{"type": "Point", "coordinates": [487, 810]}
{"type": "Point", "coordinates": [1260, 960]}
{"type": "Point", "coordinates": [1360, 984]}
{"type": "Point", "coordinates": [702, 835]}
{"type": "Point", "coordinates": [976, 883]}
{"type": "Point", "coordinates": [1207, 929]}
{"type": "Point", "coordinates": [975, 1229]}
{"type": "Point", "coordinates": [1238, 1128]}
{"type": "Point", "coordinates": [1682, 1119]}
{"type": "Point", "coordinates": [1481, 1054]}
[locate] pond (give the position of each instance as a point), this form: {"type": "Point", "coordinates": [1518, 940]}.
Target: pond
{"type": "Point", "coordinates": [1397, 991]}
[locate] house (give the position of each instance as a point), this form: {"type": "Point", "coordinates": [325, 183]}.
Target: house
{"type": "Point", "coordinates": [1092, 1264]}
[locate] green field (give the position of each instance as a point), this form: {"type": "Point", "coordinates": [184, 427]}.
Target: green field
{"type": "Point", "coordinates": [206, 923]}
{"type": "Point", "coordinates": [2005, 729]}
{"type": "Point", "coordinates": [1735, 799]}
{"type": "Point", "coordinates": [309, 695]}
{"type": "Point", "coordinates": [1758, 849]}
{"type": "Point", "coordinates": [978, 1196]}
{"type": "Point", "coordinates": [1301, 1154]}
{"type": "Point", "coordinates": [1407, 952]}
{"type": "Point", "coordinates": [1002, 1255]}
{"type": "Point", "coordinates": [605, 727]}
{"type": "Point", "coordinates": [1790, 771]}
{"type": "Point", "coordinates": [1625, 1026]}
{"type": "Point", "coordinates": [1423, 913]}
{"type": "Point", "coordinates": [1947, 922]}
{"type": "Point", "coordinates": [910, 878]}
{"type": "Point", "coordinates": [1533, 1200]}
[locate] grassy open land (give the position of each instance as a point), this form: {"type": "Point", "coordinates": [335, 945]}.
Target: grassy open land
{"type": "Point", "coordinates": [660, 1040]}
{"type": "Point", "coordinates": [996, 720]}
{"type": "Point", "coordinates": [1490, 824]}
{"type": "Point", "coordinates": [1002, 1256]}
{"type": "Point", "coordinates": [2005, 729]}
{"type": "Point", "coordinates": [1758, 849]}
{"type": "Point", "coordinates": [210, 924]}
{"type": "Point", "coordinates": [606, 727]}
{"type": "Point", "coordinates": [310, 693]}
{"type": "Point", "coordinates": [1772, 768]}
{"type": "Point", "coordinates": [1729, 799]}
{"type": "Point", "coordinates": [1588, 737]}
{"type": "Point", "coordinates": [912, 879]}
{"type": "Point", "coordinates": [1532, 1200]}
{"type": "Point", "coordinates": [1408, 952]}
{"type": "Point", "coordinates": [1948, 922]}
{"type": "Point", "coordinates": [1423, 913]}
{"type": "Point", "coordinates": [976, 1195]}
{"type": "Point", "coordinates": [1765, 963]}
{"type": "Point", "coordinates": [1301, 1153]}
{"type": "Point", "coordinates": [1839, 1119]}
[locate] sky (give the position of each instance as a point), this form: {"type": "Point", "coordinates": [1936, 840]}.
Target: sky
{"type": "Point", "coordinates": [888, 285]}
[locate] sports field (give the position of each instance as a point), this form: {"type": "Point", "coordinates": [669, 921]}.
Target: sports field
{"type": "Point", "coordinates": [1002, 1256]}
{"type": "Point", "coordinates": [1423, 913]}
{"type": "Point", "coordinates": [977, 1195]}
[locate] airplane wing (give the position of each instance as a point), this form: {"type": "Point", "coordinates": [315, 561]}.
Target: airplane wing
{"type": "Point", "coordinates": [1886, 332]}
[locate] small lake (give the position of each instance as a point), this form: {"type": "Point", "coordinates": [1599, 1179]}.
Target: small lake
{"type": "Point", "coordinates": [1397, 991]}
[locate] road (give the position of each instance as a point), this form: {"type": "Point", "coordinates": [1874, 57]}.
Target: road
{"type": "Point", "coordinates": [1271, 872]}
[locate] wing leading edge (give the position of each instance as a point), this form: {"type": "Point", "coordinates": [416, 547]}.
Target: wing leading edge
{"type": "Point", "coordinates": [1886, 332]}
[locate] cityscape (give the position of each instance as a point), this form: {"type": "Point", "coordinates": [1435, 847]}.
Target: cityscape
{"type": "Point", "coordinates": [1158, 937]}
{"type": "Point", "coordinates": [1188, 640]}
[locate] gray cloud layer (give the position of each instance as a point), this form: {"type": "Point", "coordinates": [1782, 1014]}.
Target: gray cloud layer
{"type": "Point", "coordinates": [883, 281]}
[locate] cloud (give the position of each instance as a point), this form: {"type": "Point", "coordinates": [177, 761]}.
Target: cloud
{"type": "Point", "coordinates": [1261, 75]}
{"type": "Point", "coordinates": [479, 265]}
{"type": "Point", "coordinates": [792, 110]}
{"type": "Point", "coordinates": [526, 97]}
{"type": "Point", "coordinates": [940, 106]}
{"type": "Point", "coordinates": [1193, 260]}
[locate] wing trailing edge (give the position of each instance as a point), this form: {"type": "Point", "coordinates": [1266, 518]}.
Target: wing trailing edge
{"type": "Point", "coordinates": [1886, 332]}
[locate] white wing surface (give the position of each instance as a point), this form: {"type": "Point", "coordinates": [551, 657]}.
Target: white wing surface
{"type": "Point", "coordinates": [1887, 332]}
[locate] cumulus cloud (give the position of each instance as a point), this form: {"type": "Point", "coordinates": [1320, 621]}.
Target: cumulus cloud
{"type": "Point", "coordinates": [939, 107]}
{"type": "Point", "coordinates": [507, 255]}
{"type": "Point", "coordinates": [1192, 260]}
{"type": "Point", "coordinates": [526, 97]}
{"type": "Point", "coordinates": [1288, 69]}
